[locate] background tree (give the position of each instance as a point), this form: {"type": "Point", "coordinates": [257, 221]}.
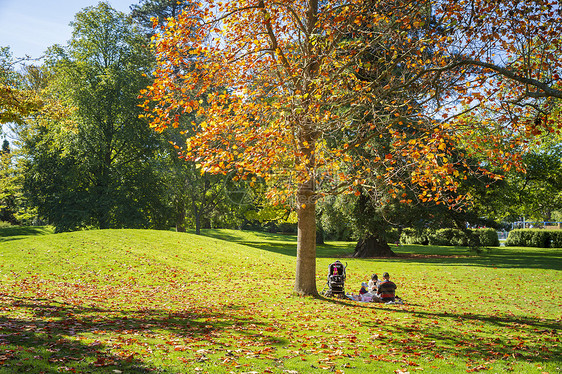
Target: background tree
{"type": "Point", "coordinates": [19, 101]}
{"type": "Point", "coordinates": [7, 184]}
{"type": "Point", "coordinates": [376, 220]}
{"type": "Point", "coordinates": [195, 199]}
{"type": "Point", "coordinates": [286, 76]}
{"type": "Point", "coordinates": [534, 192]}
{"type": "Point", "coordinates": [94, 167]}
{"type": "Point", "coordinates": [145, 10]}
{"type": "Point", "coordinates": [16, 103]}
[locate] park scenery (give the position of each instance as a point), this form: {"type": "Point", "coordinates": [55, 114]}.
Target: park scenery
{"type": "Point", "coordinates": [142, 301]}
{"type": "Point", "coordinates": [178, 183]}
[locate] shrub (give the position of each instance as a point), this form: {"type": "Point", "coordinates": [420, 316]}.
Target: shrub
{"type": "Point", "coordinates": [535, 238]}
{"type": "Point", "coordinates": [515, 238]}
{"type": "Point", "coordinates": [413, 236]}
{"type": "Point", "coordinates": [460, 238]}
{"type": "Point", "coordinates": [556, 239]}
{"type": "Point", "coordinates": [392, 235]}
{"type": "Point", "coordinates": [539, 239]}
{"type": "Point", "coordinates": [488, 237]}
{"type": "Point", "coordinates": [452, 237]}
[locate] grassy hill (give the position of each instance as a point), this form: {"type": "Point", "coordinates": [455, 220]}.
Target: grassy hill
{"type": "Point", "coordinates": [133, 301]}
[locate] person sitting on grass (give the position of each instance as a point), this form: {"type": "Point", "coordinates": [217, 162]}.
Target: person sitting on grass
{"type": "Point", "coordinates": [387, 289]}
{"type": "Point", "coordinates": [374, 284]}
{"type": "Point", "coordinates": [363, 289]}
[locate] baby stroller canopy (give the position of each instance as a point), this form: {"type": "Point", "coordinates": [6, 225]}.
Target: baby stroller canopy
{"type": "Point", "coordinates": [336, 280]}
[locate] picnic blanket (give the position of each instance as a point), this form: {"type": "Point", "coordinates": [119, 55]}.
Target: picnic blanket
{"type": "Point", "coordinates": [369, 298]}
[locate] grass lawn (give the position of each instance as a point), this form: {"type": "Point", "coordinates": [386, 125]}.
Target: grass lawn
{"type": "Point", "coordinates": [139, 301]}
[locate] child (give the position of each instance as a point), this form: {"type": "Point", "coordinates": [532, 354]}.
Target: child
{"type": "Point", "coordinates": [374, 284]}
{"type": "Point", "coordinates": [363, 289]}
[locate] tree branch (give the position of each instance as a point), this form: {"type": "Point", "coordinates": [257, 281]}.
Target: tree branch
{"type": "Point", "coordinates": [547, 90]}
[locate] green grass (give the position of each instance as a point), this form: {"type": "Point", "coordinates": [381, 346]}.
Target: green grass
{"type": "Point", "coordinates": [8, 233]}
{"type": "Point", "coordinates": [138, 301]}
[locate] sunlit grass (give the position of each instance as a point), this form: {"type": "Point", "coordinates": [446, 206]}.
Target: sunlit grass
{"type": "Point", "coordinates": [153, 301]}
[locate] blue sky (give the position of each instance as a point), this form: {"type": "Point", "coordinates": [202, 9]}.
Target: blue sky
{"type": "Point", "coordinates": [29, 27]}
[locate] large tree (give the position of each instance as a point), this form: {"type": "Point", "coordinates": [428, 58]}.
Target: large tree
{"type": "Point", "coordinates": [159, 9]}
{"type": "Point", "coordinates": [8, 185]}
{"type": "Point", "coordinates": [193, 198]}
{"type": "Point", "coordinates": [288, 77]}
{"type": "Point", "coordinates": [19, 101]}
{"type": "Point", "coordinates": [94, 166]}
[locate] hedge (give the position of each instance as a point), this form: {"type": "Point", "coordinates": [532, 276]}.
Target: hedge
{"type": "Point", "coordinates": [451, 237]}
{"type": "Point", "coordinates": [535, 238]}
{"type": "Point", "coordinates": [413, 236]}
{"type": "Point", "coordinates": [488, 237]}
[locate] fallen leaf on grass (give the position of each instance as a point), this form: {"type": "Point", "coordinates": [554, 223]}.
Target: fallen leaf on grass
{"type": "Point", "coordinates": [477, 368]}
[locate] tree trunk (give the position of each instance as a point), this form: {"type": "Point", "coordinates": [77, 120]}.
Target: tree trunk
{"type": "Point", "coordinates": [372, 246]}
{"type": "Point", "coordinates": [197, 223]}
{"type": "Point", "coordinates": [196, 211]}
{"type": "Point", "coordinates": [180, 218]}
{"type": "Point", "coordinates": [319, 235]}
{"type": "Point", "coordinates": [305, 278]}
{"type": "Point", "coordinates": [180, 222]}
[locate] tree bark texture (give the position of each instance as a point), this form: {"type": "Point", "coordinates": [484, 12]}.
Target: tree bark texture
{"type": "Point", "coordinates": [305, 278]}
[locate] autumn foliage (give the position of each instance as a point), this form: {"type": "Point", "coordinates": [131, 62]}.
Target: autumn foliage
{"type": "Point", "coordinates": [342, 96]}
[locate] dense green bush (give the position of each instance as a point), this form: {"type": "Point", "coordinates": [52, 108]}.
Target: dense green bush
{"type": "Point", "coordinates": [392, 235]}
{"type": "Point", "coordinates": [535, 238]}
{"type": "Point", "coordinates": [556, 239]}
{"type": "Point", "coordinates": [413, 236]}
{"type": "Point", "coordinates": [488, 237]}
{"type": "Point", "coordinates": [451, 237]}
{"type": "Point", "coordinates": [516, 238]}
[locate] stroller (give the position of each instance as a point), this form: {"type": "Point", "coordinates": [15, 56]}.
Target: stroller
{"type": "Point", "coordinates": [336, 280]}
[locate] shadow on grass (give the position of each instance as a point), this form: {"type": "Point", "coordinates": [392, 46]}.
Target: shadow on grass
{"type": "Point", "coordinates": [18, 232]}
{"type": "Point", "coordinates": [285, 244]}
{"type": "Point", "coordinates": [535, 258]}
{"type": "Point", "coordinates": [290, 249]}
{"type": "Point", "coordinates": [504, 257]}
{"type": "Point", "coordinates": [470, 340]}
{"type": "Point", "coordinates": [57, 337]}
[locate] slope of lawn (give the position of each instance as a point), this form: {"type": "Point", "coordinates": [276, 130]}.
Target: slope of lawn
{"type": "Point", "coordinates": [139, 301]}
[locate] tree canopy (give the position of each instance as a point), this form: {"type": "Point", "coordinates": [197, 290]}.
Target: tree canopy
{"type": "Point", "coordinates": [92, 166]}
